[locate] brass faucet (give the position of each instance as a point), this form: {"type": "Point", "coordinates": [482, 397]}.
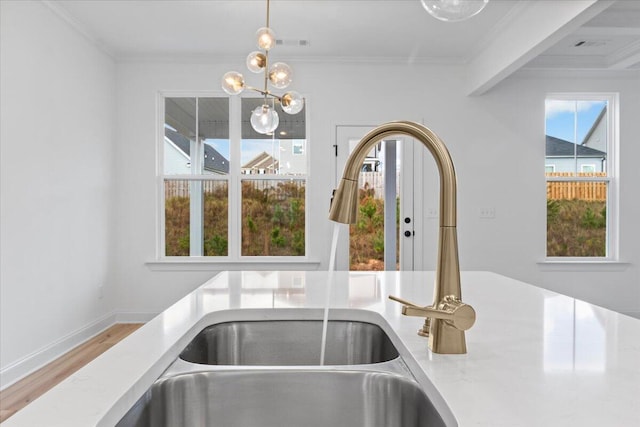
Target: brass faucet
{"type": "Point", "coordinates": [448, 317]}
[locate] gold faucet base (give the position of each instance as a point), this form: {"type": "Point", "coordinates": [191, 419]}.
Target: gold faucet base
{"type": "Point", "coordinates": [424, 331]}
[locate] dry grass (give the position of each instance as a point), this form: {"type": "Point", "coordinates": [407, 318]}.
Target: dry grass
{"type": "Point", "coordinates": [576, 228]}
{"type": "Point", "coordinates": [272, 220]}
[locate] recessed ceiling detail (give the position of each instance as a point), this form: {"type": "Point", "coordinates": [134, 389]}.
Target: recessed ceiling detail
{"type": "Point", "coordinates": [609, 41]}
{"type": "Point", "coordinates": [292, 43]}
{"type": "Point", "coordinates": [591, 43]}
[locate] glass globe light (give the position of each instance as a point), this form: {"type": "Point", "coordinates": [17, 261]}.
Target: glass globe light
{"type": "Point", "coordinates": [280, 75]}
{"type": "Point", "coordinates": [292, 102]}
{"type": "Point", "coordinates": [233, 82]}
{"type": "Point", "coordinates": [264, 119]}
{"type": "Point", "coordinates": [256, 61]}
{"type": "Point", "coordinates": [266, 38]}
{"type": "Point", "coordinates": [453, 10]}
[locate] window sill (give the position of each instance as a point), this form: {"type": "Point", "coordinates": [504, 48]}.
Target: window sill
{"type": "Point", "coordinates": [259, 263]}
{"type": "Point", "coordinates": [582, 265]}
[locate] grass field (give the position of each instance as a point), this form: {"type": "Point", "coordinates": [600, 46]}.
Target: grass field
{"type": "Point", "coordinates": [576, 228]}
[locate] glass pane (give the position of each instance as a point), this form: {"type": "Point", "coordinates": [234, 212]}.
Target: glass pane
{"type": "Point", "coordinates": [179, 134]}
{"type": "Point", "coordinates": [282, 153]}
{"type": "Point", "coordinates": [576, 219]}
{"type": "Point", "coordinates": [576, 137]}
{"type": "Point", "coordinates": [181, 207]}
{"type": "Point", "coordinates": [273, 217]}
{"type": "Point", "coordinates": [216, 218]}
{"type": "Point", "coordinates": [213, 128]}
{"type": "Point", "coordinates": [177, 196]}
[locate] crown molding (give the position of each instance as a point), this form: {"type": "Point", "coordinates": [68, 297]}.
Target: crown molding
{"type": "Point", "coordinates": [211, 59]}
{"type": "Point", "coordinates": [78, 26]}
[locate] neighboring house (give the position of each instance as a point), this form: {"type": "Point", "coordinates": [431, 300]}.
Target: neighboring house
{"type": "Point", "coordinates": [263, 163]}
{"type": "Point", "coordinates": [564, 156]}
{"type": "Point", "coordinates": [596, 138]}
{"type": "Point", "coordinates": [293, 157]}
{"type": "Point", "coordinates": [177, 158]}
{"type": "Point", "coordinates": [591, 154]}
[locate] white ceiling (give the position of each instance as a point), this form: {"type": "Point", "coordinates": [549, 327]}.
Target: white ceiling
{"type": "Point", "coordinates": [374, 30]}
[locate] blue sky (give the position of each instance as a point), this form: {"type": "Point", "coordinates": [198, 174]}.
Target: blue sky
{"type": "Point", "coordinates": [560, 118]}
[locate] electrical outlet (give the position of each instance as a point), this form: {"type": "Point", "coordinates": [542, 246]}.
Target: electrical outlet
{"type": "Point", "coordinates": [432, 213]}
{"type": "Point", "coordinates": [100, 291]}
{"type": "Point", "coordinates": [487, 213]}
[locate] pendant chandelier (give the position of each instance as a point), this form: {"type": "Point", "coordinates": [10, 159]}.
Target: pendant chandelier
{"type": "Point", "coordinates": [264, 119]}
{"type": "Point", "coordinates": [453, 10]}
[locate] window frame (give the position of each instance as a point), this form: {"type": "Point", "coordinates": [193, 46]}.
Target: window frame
{"type": "Point", "coordinates": [612, 178]}
{"type": "Point", "coordinates": [234, 260]}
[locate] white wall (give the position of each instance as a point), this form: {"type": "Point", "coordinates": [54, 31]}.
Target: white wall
{"type": "Point", "coordinates": [57, 114]}
{"type": "Point", "coordinates": [485, 134]}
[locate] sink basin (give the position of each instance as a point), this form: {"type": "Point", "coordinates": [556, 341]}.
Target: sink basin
{"type": "Point", "coordinates": [276, 398]}
{"type": "Point", "coordinates": [290, 343]}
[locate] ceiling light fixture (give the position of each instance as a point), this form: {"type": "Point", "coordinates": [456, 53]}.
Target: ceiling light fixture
{"type": "Point", "coordinates": [453, 10]}
{"type": "Point", "coordinates": [264, 119]}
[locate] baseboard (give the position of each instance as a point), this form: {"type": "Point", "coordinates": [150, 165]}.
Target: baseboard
{"type": "Point", "coordinates": [21, 368]}
{"type": "Point", "coordinates": [32, 362]}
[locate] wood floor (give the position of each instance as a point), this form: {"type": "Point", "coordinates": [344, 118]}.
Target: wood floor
{"type": "Point", "coordinates": [20, 394]}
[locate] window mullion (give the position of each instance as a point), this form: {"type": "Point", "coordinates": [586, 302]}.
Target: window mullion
{"type": "Point", "coordinates": [235, 202]}
{"type": "Point", "coordinates": [196, 223]}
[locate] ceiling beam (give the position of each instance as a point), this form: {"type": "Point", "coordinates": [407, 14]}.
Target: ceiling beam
{"type": "Point", "coordinates": [625, 57]}
{"type": "Point", "coordinates": [537, 27]}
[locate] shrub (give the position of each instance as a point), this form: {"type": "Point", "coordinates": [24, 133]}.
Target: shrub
{"type": "Point", "coordinates": [216, 246]}
{"type": "Point", "coordinates": [576, 228]}
{"type": "Point", "coordinates": [276, 238]}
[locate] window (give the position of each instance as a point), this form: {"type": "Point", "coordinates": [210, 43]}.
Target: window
{"type": "Point", "coordinates": [582, 186]}
{"type": "Point", "coordinates": [298, 148]}
{"type": "Point", "coordinates": [226, 190]}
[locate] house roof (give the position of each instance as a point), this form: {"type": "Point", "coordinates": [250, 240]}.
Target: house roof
{"type": "Point", "coordinates": [213, 160]}
{"type": "Point", "coordinates": [261, 161]}
{"type": "Point", "coordinates": [557, 147]}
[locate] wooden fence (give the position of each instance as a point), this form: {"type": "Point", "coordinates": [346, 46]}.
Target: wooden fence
{"type": "Point", "coordinates": [581, 190]}
{"type": "Point", "coordinates": [180, 187]}
{"type": "Point", "coordinates": [375, 181]}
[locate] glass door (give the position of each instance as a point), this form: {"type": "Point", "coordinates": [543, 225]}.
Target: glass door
{"type": "Point", "coordinates": [383, 237]}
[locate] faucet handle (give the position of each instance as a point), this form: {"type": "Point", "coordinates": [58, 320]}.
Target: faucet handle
{"type": "Point", "coordinates": [453, 311]}
{"type": "Point", "coordinates": [424, 331]}
{"type": "Point", "coordinates": [404, 301]}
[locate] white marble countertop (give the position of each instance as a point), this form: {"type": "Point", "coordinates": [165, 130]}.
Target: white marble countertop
{"type": "Point", "coordinates": [535, 358]}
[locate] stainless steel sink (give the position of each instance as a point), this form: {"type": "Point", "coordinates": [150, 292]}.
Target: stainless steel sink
{"type": "Point", "coordinates": [290, 343]}
{"type": "Point", "coordinates": [261, 368]}
{"type": "Point", "coordinates": [277, 398]}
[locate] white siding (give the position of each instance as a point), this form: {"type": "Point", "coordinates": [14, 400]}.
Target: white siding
{"type": "Point", "coordinates": [175, 161]}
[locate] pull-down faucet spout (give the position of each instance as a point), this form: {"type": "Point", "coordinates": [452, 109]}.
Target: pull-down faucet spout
{"type": "Point", "coordinates": [448, 317]}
